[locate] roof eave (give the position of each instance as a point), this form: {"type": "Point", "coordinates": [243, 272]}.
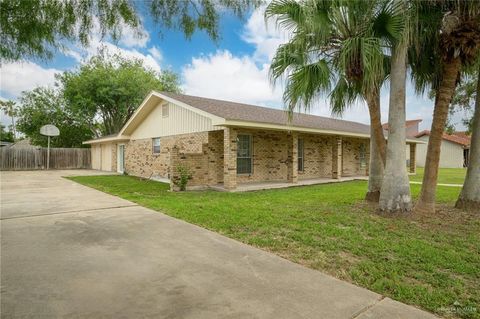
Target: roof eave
{"type": "Point", "coordinates": [120, 138]}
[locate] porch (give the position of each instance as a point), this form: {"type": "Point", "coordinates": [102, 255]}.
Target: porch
{"type": "Point", "coordinates": [238, 159]}
{"type": "Point", "coordinates": [255, 186]}
{"type": "Point", "coordinates": [264, 159]}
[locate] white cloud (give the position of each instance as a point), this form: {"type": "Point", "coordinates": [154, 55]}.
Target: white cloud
{"type": "Point", "coordinates": [264, 35]}
{"type": "Point", "coordinates": [156, 53]}
{"type": "Point", "coordinates": [224, 76]}
{"type": "Point", "coordinates": [18, 77]}
{"type": "Point", "coordinates": [152, 59]}
{"type": "Point", "coordinates": [128, 46]}
{"type": "Point", "coordinates": [134, 38]}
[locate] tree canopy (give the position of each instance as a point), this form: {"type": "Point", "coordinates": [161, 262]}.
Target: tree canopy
{"type": "Point", "coordinates": [46, 106]}
{"type": "Point", "coordinates": [110, 88]}
{"type": "Point", "coordinates": [95, 99]}
{"type": "Point", "coordinates": [38, 28]}
{"type": "Point", "coordinates": [6, 136]}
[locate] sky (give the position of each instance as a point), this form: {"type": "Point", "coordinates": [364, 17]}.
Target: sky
{"type": "Point", "coordinates": [235, 68]}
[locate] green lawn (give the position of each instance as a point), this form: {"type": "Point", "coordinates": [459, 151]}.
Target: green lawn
{"type": "Point", "coordinates": [445, 175]}
{"type": "Point", "coordinates": [428, 261]}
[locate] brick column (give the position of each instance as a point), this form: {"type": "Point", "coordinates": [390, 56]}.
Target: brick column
{"type": "Point", "coordinates": [413, 158]}
{"type": "Point", "coordinates": [229, 158]}
{"type": "Point", "coordinates": [337, 158]}
{"type": "Point", "coordinates": [174, 161]}
{"type": "Point", "coordinates": [292, 160]}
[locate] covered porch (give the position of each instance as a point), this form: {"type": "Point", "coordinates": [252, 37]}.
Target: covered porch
{"type": "Point", "coordinates": [265, 159]}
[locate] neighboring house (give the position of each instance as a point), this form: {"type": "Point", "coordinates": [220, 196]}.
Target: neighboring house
{"type": "Point", "coordinates": [454, 152]}
{"type": "Point", "coordinates": [411, 127]}
{"type": "Point", "coordinates": [23, 144]}
{"type": "Point", "coordinates": [225, 144]}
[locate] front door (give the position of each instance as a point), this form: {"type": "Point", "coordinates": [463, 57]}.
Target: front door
{"type": "Point", "coordinates": [121, 158]}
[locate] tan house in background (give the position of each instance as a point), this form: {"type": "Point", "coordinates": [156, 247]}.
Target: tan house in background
{"type": "Point", "coordinates": [454, 152]}
{"type": "Point", "coordinates": [230, 146]}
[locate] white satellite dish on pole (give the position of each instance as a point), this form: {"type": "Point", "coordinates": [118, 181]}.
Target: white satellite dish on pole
{"type": "Point", "coordinates": [49, 130]}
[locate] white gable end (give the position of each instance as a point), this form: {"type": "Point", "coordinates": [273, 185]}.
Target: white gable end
{"type": "Point", "coordinates": [178, 120]}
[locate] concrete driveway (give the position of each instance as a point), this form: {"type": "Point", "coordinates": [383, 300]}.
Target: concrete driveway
{"type": "Point", "coordinates": [71, 251]}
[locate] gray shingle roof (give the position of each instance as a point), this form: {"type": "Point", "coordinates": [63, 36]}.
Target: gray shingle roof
{"type": "Point", "coordinates": [252, 113]}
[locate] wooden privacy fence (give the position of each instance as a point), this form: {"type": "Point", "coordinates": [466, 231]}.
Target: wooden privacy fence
{"type": "Point", "coordinates": [13, 159]}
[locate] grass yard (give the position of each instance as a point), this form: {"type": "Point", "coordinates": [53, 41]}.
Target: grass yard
{"type": "Point", "coordinates": [445, 175]}
{"type": "Point", "coordinates": [432, 262]}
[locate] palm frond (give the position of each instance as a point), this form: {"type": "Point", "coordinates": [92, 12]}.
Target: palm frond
{"type": "Point", "coordinates": [288, 14]}
{"type": "Point", "coordinates": [306, 83]}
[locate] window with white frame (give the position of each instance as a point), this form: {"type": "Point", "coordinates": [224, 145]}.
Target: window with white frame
{"type": "Point", "coordinates": [363, 155]}
{"type": "Point", "coordinates": [244, 154]}
{"type": "Point", "coordinates": [156, 145]}
{"type": "Point", "coordinates": [165, 110]}
{"type": "Point", "coordinates": [300, 155]}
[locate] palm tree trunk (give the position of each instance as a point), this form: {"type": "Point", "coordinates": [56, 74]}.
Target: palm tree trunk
{"type": "Point", "coordinates": [395, 191]}
{"type": "Point", "coordinates": [426, 200]}
{"type": "Point", "coordinates": [470, 195]}
{"type": "Point", "coordinates": [378, 147]}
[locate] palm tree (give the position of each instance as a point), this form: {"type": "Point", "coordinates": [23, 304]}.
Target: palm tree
{"type": "Point", "coordinates": [395, 191]}
{"type": "Point", "coordinates": [448, 40]}
{"type": "Point", "coordinates": [336, 44]}
{"type": "Point", "coordinates": [470, 195]}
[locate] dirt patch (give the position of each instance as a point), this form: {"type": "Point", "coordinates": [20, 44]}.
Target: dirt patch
{"type": "Point", "coordinates": [444, 217]}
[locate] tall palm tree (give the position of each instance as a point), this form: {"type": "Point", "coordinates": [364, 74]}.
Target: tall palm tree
{"type": "Point", "coordinates": [470, 195]}
{"type": "Point", "coordinates": [448, 40]}
{"type": "Point", "coordinates": [335, 49]}
{"type": "Point", "coordinates": [395, 191]}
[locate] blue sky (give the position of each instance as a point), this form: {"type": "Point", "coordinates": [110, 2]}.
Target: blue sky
{"type": "Point", "coordinates": [235, 68]}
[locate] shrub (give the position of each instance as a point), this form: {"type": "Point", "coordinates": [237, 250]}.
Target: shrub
{"type": "Point", "coordinates": [181, 179]}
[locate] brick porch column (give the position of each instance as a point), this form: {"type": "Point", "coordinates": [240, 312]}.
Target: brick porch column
{"type": "Point", "coordinates": [174, 161]}
{"type": "Point", "coordinates": [292, 160]}
{"type": "Point", "coordinates": [229, 158]}
{"type": "Point", "coordinates": [337, 158]}
{"type": "Point", "coordinates": [413, 158]}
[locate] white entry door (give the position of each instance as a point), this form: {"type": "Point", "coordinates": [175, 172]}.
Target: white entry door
{"type": "Point", "coordinates": [121, 158]}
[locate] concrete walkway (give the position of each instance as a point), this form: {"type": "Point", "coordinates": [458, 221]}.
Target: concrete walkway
{"type": "Point", "coordinates": [71, 251]}
{"type": "Point", "coordinates": [439, 184]}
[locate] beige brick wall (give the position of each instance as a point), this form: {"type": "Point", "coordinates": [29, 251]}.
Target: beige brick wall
{"type": "Point", "coordinates": [351, 156]}
{"type": "Point", "coordinates": [114, 157]}
{"type": "Point", "coordinates": [317, 156]}
{"type": "Point", "coordinates": [270, 156]}
{"type": "Point", "coordinates": [206, 166]}
{"type": "Point", "coordinates": [140, 160]}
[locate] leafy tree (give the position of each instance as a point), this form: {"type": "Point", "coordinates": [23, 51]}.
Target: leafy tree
{"type": "Point", "coordinates": [10, 109]}
{"type": "Point", "coordinates": [110, 88]}
{"type": "Point", "coordinates": [336, 48]}
{"type": "Point", "coordinates": [6, 136]}
{"type": "Point", "coordinates": [464, 100]}
{"type": "Point", "coordinates": [447, 41]}
{"type": "Point", "coordinates": [37, 28]}
{"type": "Point", "coordinates": [46, 106]}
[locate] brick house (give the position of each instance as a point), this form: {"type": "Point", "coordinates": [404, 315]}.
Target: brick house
{"type": "Point", "coordinates": [227, 145]}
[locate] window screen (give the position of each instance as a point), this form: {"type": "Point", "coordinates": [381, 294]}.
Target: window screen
{"type": "Point", "coordinates": [156, 145]}
{"type": "Point", "coordinates": [300, 155]}
{"type": "Point", "coordinates": [165, 110]}
{"type": "Point", "coordinates": [244, 154]}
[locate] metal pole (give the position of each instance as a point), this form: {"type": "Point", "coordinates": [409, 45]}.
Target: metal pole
{"type": "Point", "coordinates": [48, 154]}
